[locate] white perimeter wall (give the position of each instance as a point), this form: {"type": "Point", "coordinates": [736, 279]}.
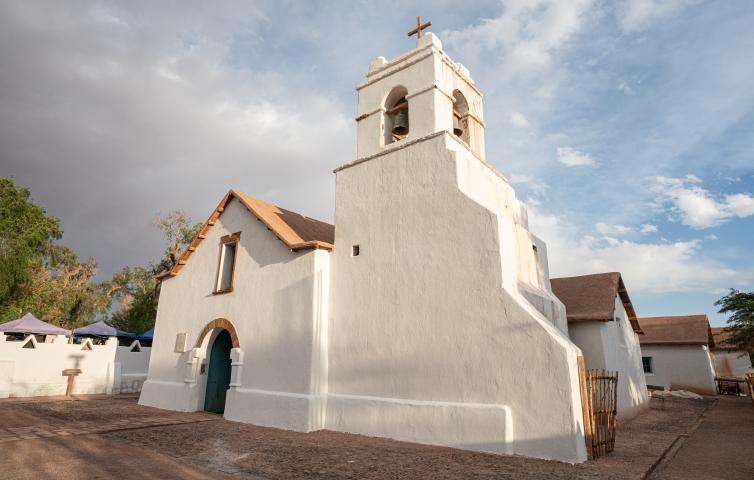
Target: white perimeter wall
{"type": "Point", "coordinates": [615, 346]}
{"type": "Point", "coordinates": [430, 339]}
{"type": "Point", "coordinates": [106, 369]}
{"type": "Point", "coordinates": [681, 367]}
{"type": "Point", "coordinates": [278, 307]}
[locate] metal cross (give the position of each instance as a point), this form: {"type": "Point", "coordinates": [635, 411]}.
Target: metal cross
{"type": "Point", "coordinates": [419, 28]}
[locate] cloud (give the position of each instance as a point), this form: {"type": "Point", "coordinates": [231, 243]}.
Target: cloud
{"type": "Point", "coordinates": [108, 132]}
{"type": "Point", "coordinates": [626, 88]}
{"type": "Point", "coordinates": [606, 229]}
{"type": "Point", "coordinates": [574, 158]}
{"type": "Point", "coordinates": [636, 15]}
{"type": "Point", "coordinates": [536, 188]}
{"type": "Point", "coordinates": [678, 267]}
{"type": "Point", "coordinates": [697, 207]}
{"type": "Point", "coordinates": [526, 33]}
{"type": "Point", "coordinates": [519, 120]}
{"type": "Point", "coordinates": [648, 228]}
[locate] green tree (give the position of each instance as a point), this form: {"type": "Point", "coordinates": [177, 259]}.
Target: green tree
{"type": "Point", "coordinates": [26, 234]}
{"type": "Point", "coordinates": [62, 290]}
{"type": "Point", "coordinates": [740, 306]}
{"type": "Point", "coordinates": [135, 290]}
{"type": "Point", "coordinates": [179, 232]}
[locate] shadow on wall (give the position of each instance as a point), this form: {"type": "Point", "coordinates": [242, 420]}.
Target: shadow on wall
{"type": "Point", "coordinates": [104, 369]}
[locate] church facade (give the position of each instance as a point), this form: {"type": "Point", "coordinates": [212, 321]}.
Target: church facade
{"type": "Point", "coordinates": [425, 315]}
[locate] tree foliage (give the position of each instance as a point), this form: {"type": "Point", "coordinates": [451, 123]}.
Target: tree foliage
{"type": "Point", "coordinates": [135, 290]}
{"type": "Point", "coordinates": [37, 274]}
{"type": "Point", "coordinates": [26, 234]}
{"type": "Point", "coordinates": [740, 306]}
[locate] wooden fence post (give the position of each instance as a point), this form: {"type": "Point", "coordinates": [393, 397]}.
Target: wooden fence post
{"type": "Point", "coordinates": [586, 409]}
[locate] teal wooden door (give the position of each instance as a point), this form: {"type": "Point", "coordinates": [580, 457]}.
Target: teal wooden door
{"type": "Point", "coordinates": [218, 376]}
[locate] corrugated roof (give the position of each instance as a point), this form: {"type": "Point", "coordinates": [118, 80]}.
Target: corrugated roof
{"type": "Point", "coordinates": [592, 297]}
{"type": "Point", "coordinates": [296, 231]}
{"type": "Point", "coordinates": [677, 330]}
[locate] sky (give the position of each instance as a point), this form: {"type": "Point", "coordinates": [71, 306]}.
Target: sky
{"type": "Point", "coordinates": [626, 126]}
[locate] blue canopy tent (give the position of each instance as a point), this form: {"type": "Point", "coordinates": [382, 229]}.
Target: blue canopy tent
{"type": "Point", "coordinates": [101, 329]}
{"type": "Point", "coordinates": [146, 336]}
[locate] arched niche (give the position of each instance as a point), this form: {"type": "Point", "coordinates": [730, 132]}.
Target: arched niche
{"type": "Point", "coordinates": [461, 117]}
{"type": "Point", "coordinates": [396, 117]}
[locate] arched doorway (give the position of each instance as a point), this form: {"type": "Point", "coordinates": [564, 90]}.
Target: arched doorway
{"type": "Point", "coordinates": [218, 373]}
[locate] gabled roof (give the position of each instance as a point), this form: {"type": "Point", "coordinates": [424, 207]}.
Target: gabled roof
{"type": "Point", "coordinates": [676, 330]}
{"type": "Point", "coordinates": [592, 297]}
{"type": "Point", "coordinates": [296, 231]}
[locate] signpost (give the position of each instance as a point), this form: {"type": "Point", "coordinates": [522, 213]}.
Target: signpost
{"type": "Point", "coordinates": [71, 373]}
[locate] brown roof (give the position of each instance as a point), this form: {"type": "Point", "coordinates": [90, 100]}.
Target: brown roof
{"type": "Point", "coordinates": [592, 297]}
{"type": "Point", "coordinates": [296, 231]}
{"type": "Point", "coordinates": [676, 330]}
{"type": "Point", "coordinates": [721, 336]}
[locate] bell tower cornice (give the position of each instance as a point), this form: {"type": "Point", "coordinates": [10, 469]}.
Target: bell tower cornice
{"type": "Point", "coordinates": [415, 95]}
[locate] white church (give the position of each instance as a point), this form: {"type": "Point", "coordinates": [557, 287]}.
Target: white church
{"type": "Point", "coordinates": [425, 314]}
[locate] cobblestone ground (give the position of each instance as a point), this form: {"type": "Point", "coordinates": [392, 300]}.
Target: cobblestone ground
{"type": "Point", "coordinates": [159, 444]}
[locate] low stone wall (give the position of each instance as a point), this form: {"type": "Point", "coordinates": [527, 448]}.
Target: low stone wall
{"type": "Point", "coordinates": [35, 367]}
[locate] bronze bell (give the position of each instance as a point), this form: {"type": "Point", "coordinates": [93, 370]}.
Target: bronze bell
{"type": "Point", "coordinates": [457, 129]}
{"type": "Point", "coordinates": [400, 122]}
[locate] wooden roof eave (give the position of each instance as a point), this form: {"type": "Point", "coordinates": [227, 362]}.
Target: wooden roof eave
{"type": "Point", "coordinates": [293, 246]}
{"type": "Point", "coordinates": [629, 306]}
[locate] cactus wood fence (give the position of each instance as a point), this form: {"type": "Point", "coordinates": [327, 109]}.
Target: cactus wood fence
{"type": "Point", "coordinates": [599, 394]}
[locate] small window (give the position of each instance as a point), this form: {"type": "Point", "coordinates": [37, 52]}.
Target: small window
{"type": "Point", "coordinates": [355, 251]}
{"type": "Point", "coordinates": [227, 263]}
{"type": "Point", "coordinates": [647, 363]}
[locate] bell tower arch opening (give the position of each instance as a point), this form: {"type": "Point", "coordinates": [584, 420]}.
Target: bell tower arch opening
{"type": "Point", "coordinates": [396, 120]}
{"type": "Point", "coordinates": [461, 117]}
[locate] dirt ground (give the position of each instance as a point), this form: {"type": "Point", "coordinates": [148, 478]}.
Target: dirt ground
{"type": "Point", "coordinates": [116, 438]}
{"type": "Point", "coordinates": [721, 447]}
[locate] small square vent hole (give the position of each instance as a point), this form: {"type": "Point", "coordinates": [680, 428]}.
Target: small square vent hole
{"type": "Point", "coordinates": [355, 251]}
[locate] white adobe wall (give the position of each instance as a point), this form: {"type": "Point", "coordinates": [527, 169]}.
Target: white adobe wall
{"type": "Point", "coordinates": [732, 363]}
{"type": "Point", "coordinates": [431, 339]}
{"type": "Point", "coordinates": [615, 346]}
{"type": "Point", "coordinates": [681, 367]}
{"type": "Point", "coordinates": [106, 369]}
{"type": "Point", "coordinates": [277, 308]}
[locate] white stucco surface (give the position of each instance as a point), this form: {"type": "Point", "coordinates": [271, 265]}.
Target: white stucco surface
{"type": "Point", "coordinates": [442, 330]}
{"type": "Point", "coordinates": [109, 368]}
{"type": "Point", "coordinates": [277, 307]}
{"type": "Point", "coordinates": [615, 346]}
{"type": "Point", "coordinates": [429, 319]}
{"type": "Point", "coordinates": [681, 367]}
{"type": "Point", "coordinates": [732, 363]}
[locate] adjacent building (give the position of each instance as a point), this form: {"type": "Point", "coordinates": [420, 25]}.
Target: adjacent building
{"type": "Point", "coordinates": [603, 323]}
{"type": "Point", "coordinates": [676, 353]}
{"type": "Point", "coordinates": [729, 361]}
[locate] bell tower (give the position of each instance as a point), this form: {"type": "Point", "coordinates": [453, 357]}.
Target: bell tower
{"type": "Point", "coordinates": [418, 94]}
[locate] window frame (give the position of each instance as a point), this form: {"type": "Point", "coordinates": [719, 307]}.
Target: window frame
{"type": "Point", "coordinates": [232, 239]}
